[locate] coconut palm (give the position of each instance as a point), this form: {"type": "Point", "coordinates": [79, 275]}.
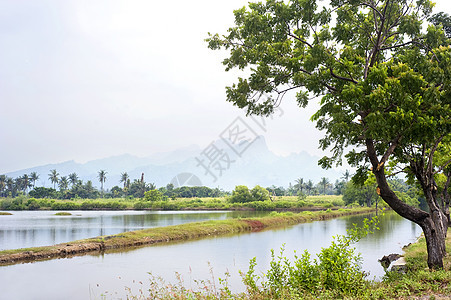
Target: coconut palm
{"type": "Point", "coordinates": [53, 177]}
{"type": "Point", "coordinates": [324, 183]}
{"type": "Point", "coordinates": [102, 177]}
{"type": "Point", "coordinates": [63, 183]}
{"type": "Point", "coordinates": [73, 179]}
{"type": "Point", "coordinates": [2, 185]}
{"type": "Point", "coordinates": [25, 183]}
{"type": "Point", "coordinates": [10, 185]}
{"type": "Point", "coordinates": [299, 186]}
{"type": "Point", "coordinates": [346, 176]}
{"type": "Point", "coordinates": [124, 179]}
{"type": "Point", "coordinates": [309, 186]}
{"type": "Point", "coordinates": [33, 177]}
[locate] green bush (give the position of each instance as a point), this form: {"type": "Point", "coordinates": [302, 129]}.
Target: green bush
{"type": "Point", "coordinates": [336, 272]}
{"type": "Point", "coordinates": [301, 203]}
{"type": "Point", "coordinates": [241, 194]}
{"type": "Point", "coordinates": [33, 204]}
{"type": "Point", "coordinates": [141, 205]}
{"type": "Point", "coordinates": [67, 205]}
{"type": "Point", "coordinates": [327, 205]}
{"type": "Point", "coordinates": [153, 195]}
{"type": "Point", "coordinates": [259, 194]}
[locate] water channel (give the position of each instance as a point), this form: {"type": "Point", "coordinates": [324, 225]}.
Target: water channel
{"type": "Point", "coordinates": [91, 276]}
{"type": "Point", "coordinates": [26, 229]}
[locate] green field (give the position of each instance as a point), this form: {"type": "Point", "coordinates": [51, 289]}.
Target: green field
{"type": "Point", "coordinates": [222, 203]}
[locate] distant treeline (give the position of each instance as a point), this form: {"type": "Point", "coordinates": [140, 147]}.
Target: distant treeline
{"type": "Point", "coordinates": [71, 187]}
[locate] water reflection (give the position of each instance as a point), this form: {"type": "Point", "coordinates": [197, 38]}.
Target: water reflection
{"type": "Point", "coordinates": [40, 228]}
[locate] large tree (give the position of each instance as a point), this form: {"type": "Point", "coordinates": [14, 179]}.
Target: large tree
{"type": "Point", "coordinates": [383, 78]}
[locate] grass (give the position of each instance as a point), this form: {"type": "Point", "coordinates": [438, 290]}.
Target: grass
{"type": "Point", "coordinates": [3, 213]}
{"type": "Point", "coordinates": [173, 233]}
{"type": "Point", "coordinates": [419, 281]}
{"type": "Point", "coordinates": [63, 213]}
{"type": "Point", "coordinates": [278, 203]}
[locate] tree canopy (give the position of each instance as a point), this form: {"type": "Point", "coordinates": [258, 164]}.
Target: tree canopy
{"type": "Point", "coordinates": [382, 74]}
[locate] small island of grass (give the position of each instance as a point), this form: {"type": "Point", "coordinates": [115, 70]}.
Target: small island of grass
{"type": "Point", "coordinates": [63, 213]}
{"type": "Point", "coordinates": [4, 213]}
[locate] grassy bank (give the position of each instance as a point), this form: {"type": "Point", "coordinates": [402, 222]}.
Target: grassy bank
{"type": "Point", "coordinates": [418, 282]}
{"type": "Point", "coordinates": [171, 233]}
{"type": "Point", "coordinates": [278, 203]}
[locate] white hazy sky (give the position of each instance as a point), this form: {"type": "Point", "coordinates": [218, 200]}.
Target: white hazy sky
{"type": "Point", "coordinates": [83, 79]}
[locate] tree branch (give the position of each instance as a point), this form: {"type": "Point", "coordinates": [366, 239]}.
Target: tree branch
{"type": "Point", "coordinates": [299, 39]}
{"type": "Point", "coordinates": [391, 149]}
{"type": "Point", "coordinates": [341, 77]}
{"type": "Point", "coordinates": [442, 167]}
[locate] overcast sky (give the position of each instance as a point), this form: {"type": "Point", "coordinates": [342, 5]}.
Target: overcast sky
{"type": "Point", "coordinates": [83, 79]}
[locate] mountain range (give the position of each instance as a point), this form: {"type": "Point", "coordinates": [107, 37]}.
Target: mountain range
{"type": "Point", "coordinates": [222, 164]}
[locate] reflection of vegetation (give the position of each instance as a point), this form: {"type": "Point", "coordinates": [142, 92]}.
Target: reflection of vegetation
{"type": "Point", "coordinates": [388, 222]}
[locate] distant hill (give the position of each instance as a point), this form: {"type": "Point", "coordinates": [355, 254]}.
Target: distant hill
{"type": "Point", "coordinates": [221, 164]}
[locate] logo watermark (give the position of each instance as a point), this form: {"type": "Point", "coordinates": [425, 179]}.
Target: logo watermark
{"type": "Point", "coordinates": [218, 157]}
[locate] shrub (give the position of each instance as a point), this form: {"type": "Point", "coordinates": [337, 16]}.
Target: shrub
{"type": "Point", "coordinates": [32, 204]}
{"type": "Point", "coordinates": [141, 205]}
{"type": "Point", "coordinates": [259, 194]}
{"type": "Point", "coordinates": [153, 195]}
{"type": "Point", "coordinates": [241, 194]}
{"type": "Point", "coordinates": [337, 271]}
{"type": "Point", "coordinates": [338, 202]}
{"type": "Point", "coordinates": [69, 205]}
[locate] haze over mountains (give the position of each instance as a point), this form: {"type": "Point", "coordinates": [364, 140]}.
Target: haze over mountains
{"type": "Point", "coordinates": [220, 164]}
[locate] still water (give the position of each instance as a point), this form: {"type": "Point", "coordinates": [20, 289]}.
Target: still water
{"type": "Point", "coordinates": [42, 228]}
{"type": "Point", "coordinates": [96, 276]}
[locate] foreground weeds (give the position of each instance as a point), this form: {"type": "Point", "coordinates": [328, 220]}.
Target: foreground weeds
{"type": "Point", "coordinates": [335, 274]}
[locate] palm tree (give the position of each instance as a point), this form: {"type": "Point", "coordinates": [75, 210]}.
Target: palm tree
{"type": "Point", "coordinates": [102, 178]}
{"type": "Point", "coordinates": [2, 184]}
{"type": "Point", "coordinates": [17, 186]}
{"type": "Point", "coordinates": [25, 183]}
{"type": "Point", "coordinates": [324, 183]}
{"type": "Point", "coordinates": [309, 186]}
{"type": "Point", "coordinates": [299, 184]}
{"type": "Point", "coordinates": [10, 185]}
{"type": "Point", "coordinates": [124, 179]}
{"type": "Point", "coordinates": [63, 183]}
{"type": "Point", "coordinates": [53, 177]}
{"type": "Point", "coordinates": [346, 176]}
{"type": "Point", "coordinates": [73, 179]}
{"type": "Point", "coordinates": [33, 177]}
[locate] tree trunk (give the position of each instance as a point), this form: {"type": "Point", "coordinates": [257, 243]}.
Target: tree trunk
{"type": "Point", "coordinates": [433, 224]}
{"type": "Point", "coordinates": [435, 243]}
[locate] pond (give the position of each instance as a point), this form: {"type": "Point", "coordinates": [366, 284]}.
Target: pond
{"type": "Point", "coordinates": [95, 276]}
{"type": "Point", "coordinates": [26, 229]}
